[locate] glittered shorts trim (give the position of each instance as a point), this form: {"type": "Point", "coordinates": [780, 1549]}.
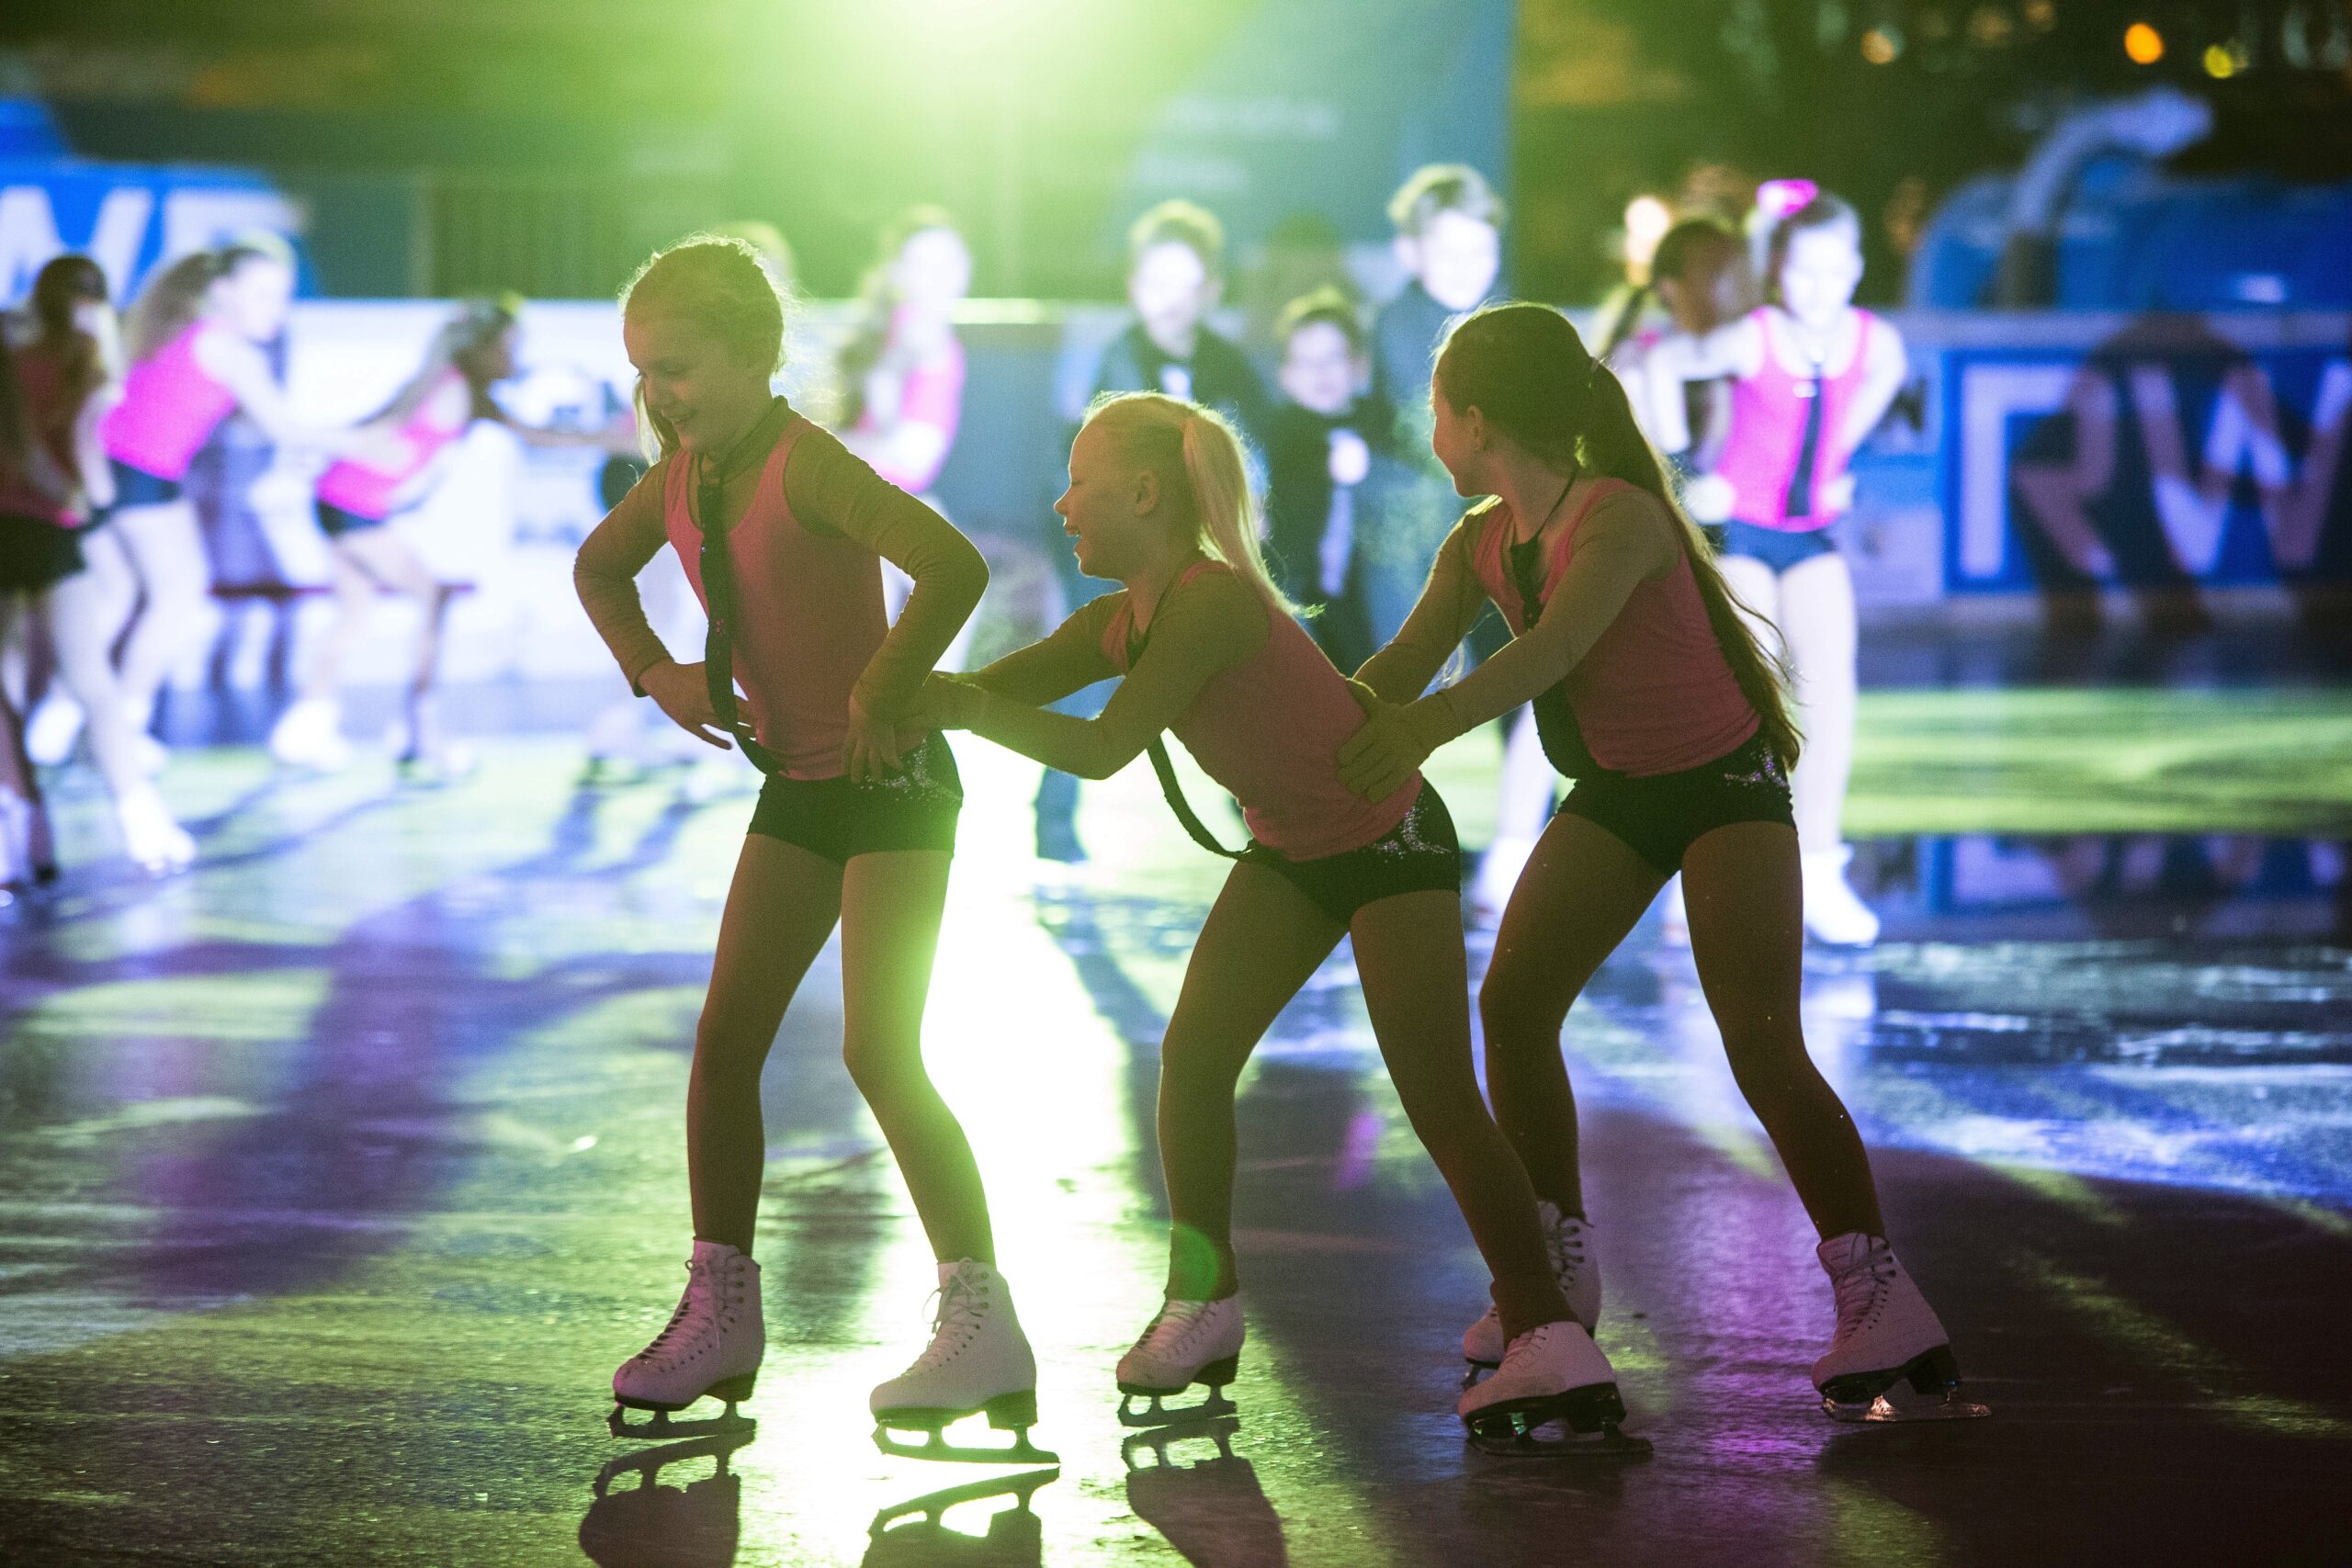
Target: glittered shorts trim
{"type": "Point", "coordinates": [838, 821]}
{"type": "Point", "coordinates": [1420, 854]}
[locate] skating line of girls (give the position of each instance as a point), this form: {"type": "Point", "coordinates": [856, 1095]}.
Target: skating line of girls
{"type": "Point", "coordinates": [1653, 692]}
{"type": "Point", "coordinates": [99, 424]}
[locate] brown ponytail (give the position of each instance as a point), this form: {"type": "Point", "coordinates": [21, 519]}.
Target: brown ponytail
{"type": "Point", "coordinates": [1526, 370]}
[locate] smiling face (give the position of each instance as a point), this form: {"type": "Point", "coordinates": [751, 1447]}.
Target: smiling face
{"type": "Point", "coordinates": [1320, 370]}
{"type": "Point", "coordinates": [707, 392]}
{"type": "Point", "coordinates": [1456, 437]}
{"type": "Point", "coordinates": [1111, 510]}
{"type": "Point", "coordinates": [1820, 274]}
{"type": "Point", "coordinates": [251, 299]}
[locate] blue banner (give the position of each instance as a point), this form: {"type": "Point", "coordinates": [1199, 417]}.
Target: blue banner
{"type": "Point", "coordinates": [2170, 457]}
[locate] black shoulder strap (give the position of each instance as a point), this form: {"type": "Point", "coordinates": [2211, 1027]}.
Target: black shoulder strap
{"type": "Point", "coordinates": [1193, 826]}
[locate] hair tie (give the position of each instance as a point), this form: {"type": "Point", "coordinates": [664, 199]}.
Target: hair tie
{"type": "Point", "coordinates": [1778, 198]}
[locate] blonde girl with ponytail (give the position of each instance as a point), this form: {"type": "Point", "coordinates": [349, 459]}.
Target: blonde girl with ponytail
{"type": "Point", "coordinates": [1202, 644]}
{"type": "Point", "coordinates": [1655, 695]}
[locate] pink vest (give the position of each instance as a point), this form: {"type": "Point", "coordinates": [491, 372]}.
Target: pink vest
{"type": "Point", "coordinates": [929, 394]}
{"type": "Point", "coordinates": [169, 409]}
{"type": "Point", "coordinates": [1767, 437]}
{"type": "Point", "coordinates": [809, 614]}
{"type": "Point", "coordinates": [1270, 730]}
{"type": "Point", "coordinates": [365, 491]}
{"type": "Point", "coordinates": [1654, 694]}
{"type": "Point", "coordinates": [41, 378]}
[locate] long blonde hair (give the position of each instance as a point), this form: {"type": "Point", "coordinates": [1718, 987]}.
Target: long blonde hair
{"type": "Point", "coordinates": [722, 285]}
{"type": "Point", "coordinates": [1524, 369]}
{"type": "Point", "coordinates": [1197, 455]}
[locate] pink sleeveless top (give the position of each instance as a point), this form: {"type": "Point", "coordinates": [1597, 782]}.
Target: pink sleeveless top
{"type": "Point", "coordinates": [169, 409]}
{"type": "Point", "coordinates": [932, 394]}
{"type": "Point", "coordinates": [1767, 437]}
{"type": "Point", "coordinates": [1270, 729]}
{"type": "Point", "coordinates": [364, 490]}
{"type": "Point", "coordinates": [1654, 694]}
{"type": "Point", "coordinates": [809, 614]}
{"type": "Point", "coordinates": [41, 380]}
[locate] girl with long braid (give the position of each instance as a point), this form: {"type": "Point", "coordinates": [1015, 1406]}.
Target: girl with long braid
{"type": "Point", "coordinates": [1655, 695]}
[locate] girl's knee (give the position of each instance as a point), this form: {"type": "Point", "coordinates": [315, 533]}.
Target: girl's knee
{"type": "Point", "coordinates": [1519, 1009]}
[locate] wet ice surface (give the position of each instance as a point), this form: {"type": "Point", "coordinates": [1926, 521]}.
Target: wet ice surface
{"type": "Point", "coordinates": [336, 1177]}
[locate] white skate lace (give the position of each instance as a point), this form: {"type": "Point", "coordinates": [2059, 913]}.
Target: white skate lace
{"type": "Point", "coordinates": [1173, 1325]}
{"type": "Point", "coordinates": [687, 1303]}
{"type": "Point", "coordinates": [961, 1307]}
{"type": "Point", "coordinates": [1860, 1290]}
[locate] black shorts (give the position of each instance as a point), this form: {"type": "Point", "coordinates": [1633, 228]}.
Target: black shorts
{"type": "Point", "coordinates": [1776, 548]}
{"type": "Point", "coordinates": [1660, 816]}
{"type": "Point", "coordinates": [838, 821]}
{"type": "Point", "coordinates": [1420, 854]}
{"type": "Point", "coordinates": [36, 554]}
{"type": "Point", "coordinates": [136, 487]}
{"type": "Point", "coordinates": [334, 522]}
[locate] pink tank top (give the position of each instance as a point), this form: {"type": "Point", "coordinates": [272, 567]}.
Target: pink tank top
{"type": "Point", "coordinates": [169, 409]}
{"type": "Point", "coordinates": [1270, 729]}
{"type": "Point", "coordinates": [364, 490]}
{"type": "Point", "coordinates": [41, 380]}
{"type": "Point", "coordinates": [1766, 443]}
{"type": "Point", "coordinates": [932, 394]}
{"type": "Point", "coordinates": [1654, 694]}
{"type": "Point", "coordinates": [808, 612]}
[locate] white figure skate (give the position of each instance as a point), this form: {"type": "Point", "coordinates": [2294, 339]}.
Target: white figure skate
{"type": "Point", "coordinates": [979, 1362]}
{"type": "Point", "coordinates": [1890, 1359]}
{"type": "Point", "coordinates": [1568, 1241]}
{"type": "Point", "coordinates": [1550, 1374]}
{"type": "Point", "coordinates": [713, 1345]}
{"type": "Point", "coordinates": [1834, 912]}
{"type": "Point", "coordinates": [1185, 1343]}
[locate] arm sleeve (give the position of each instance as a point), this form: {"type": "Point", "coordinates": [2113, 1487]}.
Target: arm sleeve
{"type": "Point", "coordinates": [830, 488]}
{"type": "Point", "coordinates": [1205, 627]}
{"type": "Point", "coordinates": [604, 575]}
{"type": "Point", "coordinates": [1067, 660]}
{"type": "Point", "coordinates": [1442, 617]}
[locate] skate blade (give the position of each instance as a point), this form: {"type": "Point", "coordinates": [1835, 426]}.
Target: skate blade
{"type": "Point", "coordinates": [1214, 1377]}
{"type": "Point", "coordinates": [1609, 1443]}
{"type": "Point", "coordinates": [1590, 1419]}
{"type": "Point", "coordinates": [1014, 1413]}
{"type": "Point", "coordinates": [931, 1504]}
{"type": "Point", "coordinates": [646, 1463]}
{"type": "Point", "coordinates": [1899, 1404]}
{"type": "Point", "coordinates": [658, 1424]}
{"type": "Point", "coordinates": [1926, 1388]}
{"type": "Point", "coordinates": [1220, 1430]}
{"type": "Point", "coordinates": [1212, 1406]}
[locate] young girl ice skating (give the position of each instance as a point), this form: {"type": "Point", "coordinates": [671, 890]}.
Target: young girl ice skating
{"type": "Point", "coordinates": [1655, 694]}
{"type": "Point", "coordinates": [1201, 645]}
{"type": "Point", "coordinates": [1812, 377]}
{"type": "Point", "coordinates": [783, 533]}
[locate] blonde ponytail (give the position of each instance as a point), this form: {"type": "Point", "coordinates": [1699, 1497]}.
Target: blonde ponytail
{"type": "Point", "coordinates": [1197, 456]}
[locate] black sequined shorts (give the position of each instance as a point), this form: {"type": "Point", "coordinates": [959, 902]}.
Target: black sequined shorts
{"type": "Point", "coordinates": [1420, 854]}
{"type": "Point", "coordinates": [838, 820]}
{"type": "Point", "coordinates": [1662, 815]}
